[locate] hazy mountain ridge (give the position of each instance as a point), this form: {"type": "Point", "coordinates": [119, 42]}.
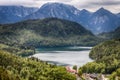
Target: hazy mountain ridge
{"type": "Point", "coordinates": [56, 10]}
{"type": "Point", "coordinates": [118, 15]}
{"type": "Point", "coordinates": [103, 21]}
{"type": "Point", "coordinates": [111, 35]}
{"type": "Point", "coordinates": [12, 14]}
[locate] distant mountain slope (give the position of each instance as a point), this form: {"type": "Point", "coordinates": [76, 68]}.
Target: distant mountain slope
{"type": "Point", "coordinates": [103, 21]}
{"type": "Point", "coordinates": [57, 10]}
{"type": "Point", "coordinates": [47, 32]}
{"type": "Point", "coordinates": [83, 17]}
{"type": "Point", "coordinates": [111, 35]}
{"type": "Point", "coordinates": [10, 14]}
{"type": "Point", "coordinates": [118, 15]}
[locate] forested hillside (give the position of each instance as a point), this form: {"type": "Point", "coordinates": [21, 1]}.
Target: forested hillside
{"type": "Point", "coordinates": [17, 49]}
{"type": "Point", "coordinates": [47, 32]}
{"type": "Point", "coordinates": [13, 67]}
{"type": "Point", "coordinates": [107, 59]}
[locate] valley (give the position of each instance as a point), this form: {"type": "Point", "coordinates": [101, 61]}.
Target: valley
{"type": "Point", "coordinates": [58, 41]}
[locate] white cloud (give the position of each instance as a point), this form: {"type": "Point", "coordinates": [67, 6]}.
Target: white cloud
{"type": "Point", "coordinates": [92, 5]}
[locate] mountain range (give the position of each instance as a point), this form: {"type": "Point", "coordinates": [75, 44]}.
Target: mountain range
{"type": "Point", "coordinates": [99, 21]}
{"type": "Point", "coordinates": [103, 21]}
{"type": "Point", "coordinates": [12, 14]}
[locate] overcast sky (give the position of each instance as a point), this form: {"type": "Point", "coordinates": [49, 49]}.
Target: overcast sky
{"type": "Point", "coordinates": [91, 5]}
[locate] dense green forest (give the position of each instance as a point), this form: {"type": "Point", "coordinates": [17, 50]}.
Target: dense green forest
{"type": "Point", "coordinates": [48, 32]}
{"type": "Point", "coordinates": [21, 39]}
{"type": "Point", "coordinates": [107, 59]}
{"type": "Point", "coordinates": [13, 67]}
{"type": "Point", "coordinates": [17, 49]}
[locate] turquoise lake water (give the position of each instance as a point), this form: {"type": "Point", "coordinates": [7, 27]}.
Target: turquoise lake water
{"type": "Point", "coordinates": [65, 56]}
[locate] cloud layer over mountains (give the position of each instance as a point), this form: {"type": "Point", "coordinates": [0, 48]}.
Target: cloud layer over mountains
{"type": "Point", "coordinates": [92, 5]}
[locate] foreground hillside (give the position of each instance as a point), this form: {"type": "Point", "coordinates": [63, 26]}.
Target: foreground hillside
{"type": "Point", "coordinates": [107, 59]}
{"type": "Point", "coordinates": [47, 32]}
{"type": "Point", "coordinates": [13, 67]}
{"type": "Point", "coordinates": [17, 68]}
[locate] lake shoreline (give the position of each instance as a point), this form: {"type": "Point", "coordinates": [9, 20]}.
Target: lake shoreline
{"type": "Point", "coordinates": [65, 56]}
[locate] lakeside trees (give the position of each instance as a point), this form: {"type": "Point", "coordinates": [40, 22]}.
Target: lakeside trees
{"type": "Point", "coordinates": [107, 59]}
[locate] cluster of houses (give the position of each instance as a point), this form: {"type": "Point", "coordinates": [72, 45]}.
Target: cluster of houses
{"type": "Point", "coordinates": [94, 76]}
{"type": "Point", "coordinates": [86, 76]}
{"type": "Point", "coordinates": [71, 70]}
